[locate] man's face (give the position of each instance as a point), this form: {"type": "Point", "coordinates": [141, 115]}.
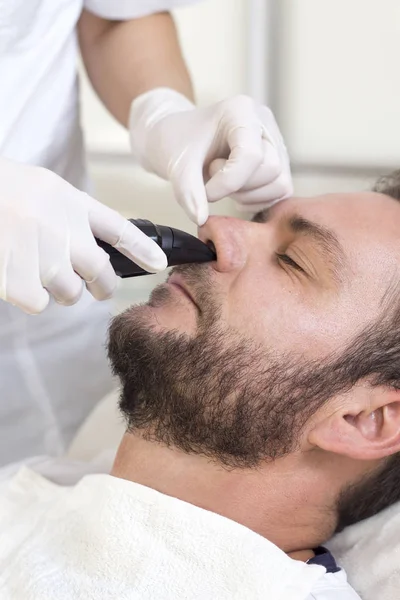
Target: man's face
{"type": "Point", "coordinates": [239, 343]}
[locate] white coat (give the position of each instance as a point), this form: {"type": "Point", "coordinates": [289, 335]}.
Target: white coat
{"type": "Point", "coordinates": [52, 367]}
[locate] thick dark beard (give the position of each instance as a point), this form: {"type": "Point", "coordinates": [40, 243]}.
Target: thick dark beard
{"type": "Point", "coordinates": [216, 394]}
{"type": "Point", "coordinates": [221, 395]}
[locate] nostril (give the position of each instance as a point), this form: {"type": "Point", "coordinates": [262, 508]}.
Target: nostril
{"type": "Point", "coordinates": [210, 245]}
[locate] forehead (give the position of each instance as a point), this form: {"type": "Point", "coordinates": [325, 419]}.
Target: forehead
{"type": "Point", "coordinates": [367, 226]}
{"type": "Point", "coordinates": [363, 206]}
{"type": "Point", "coordinates": [357, 219]}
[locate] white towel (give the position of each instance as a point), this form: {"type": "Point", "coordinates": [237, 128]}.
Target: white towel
{"type": "Point", "coordinates": [107, 538]}
{"type": "Point", "coordinates": [370, 553]}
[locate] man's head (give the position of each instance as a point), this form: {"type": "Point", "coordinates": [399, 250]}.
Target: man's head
{"type": "Point", "coordinates": [288, 344]}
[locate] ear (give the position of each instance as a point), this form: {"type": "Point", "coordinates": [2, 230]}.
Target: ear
{"type": "Point", "coordinates": [363, 425]}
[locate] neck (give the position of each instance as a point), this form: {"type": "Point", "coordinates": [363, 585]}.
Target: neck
{"type": "Point", "coordinates": [256, 498]}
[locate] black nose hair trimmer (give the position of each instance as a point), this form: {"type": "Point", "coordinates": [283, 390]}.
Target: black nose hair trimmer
{"type": "Point", "coordinates": [180, 247]}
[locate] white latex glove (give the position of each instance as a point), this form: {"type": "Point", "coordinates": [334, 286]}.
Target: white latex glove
{"type": "Point", "coordinates": [232, 148]}
{"type": "Point", "coordinates": [47, 244]}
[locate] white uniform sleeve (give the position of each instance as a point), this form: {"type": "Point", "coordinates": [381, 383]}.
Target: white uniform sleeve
{"type": "Point", "coordinates": [131, 9]}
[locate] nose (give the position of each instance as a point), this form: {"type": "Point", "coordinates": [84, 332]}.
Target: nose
{"type": "Point", "coordinates": [232, 240]}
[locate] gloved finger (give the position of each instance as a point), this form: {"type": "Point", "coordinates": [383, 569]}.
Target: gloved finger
{"type": "Point", "coordinates": [20, 283]}
{"type": "Point", "coordinates": [65, 286]}
{"type": "Point", "coordinates": [270, 127]}
{"type": "Point", "coordinates": [188, 185]}
{"type": "Point", "coordinates": [255, 208]}
{"type": "Point", "coordinates": [270, 168]}
{"type": "Point", "coordinates": [271, 133]}
{"type": "Point", "coordinates": [266, 196]}
{"type": "Point", "coordinates": [56, 272]}
{"type": "Point", "coordinates": [105, 284]}
{"type": "Point", "coordinates": [245, 157]}
{"type": "Point", "coordinates": [93, 265]}
{"type": "Point", "coordinates": [113, 228]}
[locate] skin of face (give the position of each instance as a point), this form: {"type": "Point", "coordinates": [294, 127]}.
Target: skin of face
{"type": "Point", "coordinates": [278, 282]}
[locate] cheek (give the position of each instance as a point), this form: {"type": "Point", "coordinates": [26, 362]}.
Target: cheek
{"type": "Point", "coordinates": [287, 320]}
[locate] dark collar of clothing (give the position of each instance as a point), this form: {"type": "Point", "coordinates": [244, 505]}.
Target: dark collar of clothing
{"type": "Point", "coordinates": [324, 557]}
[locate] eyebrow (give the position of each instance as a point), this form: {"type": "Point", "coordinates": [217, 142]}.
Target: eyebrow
{"type": "Point", "coordinates": [320, 234]}
{"type": "Point", "coordinates": [324, 237]}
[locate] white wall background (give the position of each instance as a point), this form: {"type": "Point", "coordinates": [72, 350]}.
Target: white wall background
{"type": "Point", "coordinates": [339, 84]}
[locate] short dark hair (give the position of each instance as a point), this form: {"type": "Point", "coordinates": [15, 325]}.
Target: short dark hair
{"type": "Point", "coordinates": [382, 489]}
{"type": "Point", "coordinates": [389, 185]}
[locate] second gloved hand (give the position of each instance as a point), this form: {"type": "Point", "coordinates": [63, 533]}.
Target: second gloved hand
{"type": "Point", "coordinates": [233, 148]}
{"type": "Point", "coordinates": [47, 240]}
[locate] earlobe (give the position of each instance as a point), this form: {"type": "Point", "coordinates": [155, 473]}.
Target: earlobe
{"type": "Point", "coordinates": [366, 427]}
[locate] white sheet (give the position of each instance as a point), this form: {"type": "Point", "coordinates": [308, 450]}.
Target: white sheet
{"type": "Point", "coordinates": [370, 553]}
{"type": "Point", "coordinates": [110, 538]}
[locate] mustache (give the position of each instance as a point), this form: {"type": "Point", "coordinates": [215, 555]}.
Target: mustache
{"type": "Point", "coordinates": [202, 286]}
{"type": "Point", "coordinates": [197, 276]}
{"type": "Point", "coordinates": [194, 272]}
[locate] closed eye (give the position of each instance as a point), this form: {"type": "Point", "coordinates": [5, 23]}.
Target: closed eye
{"type": "Point", "coordinates": [289, 261]}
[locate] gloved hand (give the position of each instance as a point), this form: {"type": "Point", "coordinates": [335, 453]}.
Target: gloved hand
{"type": "Point", "coordinates": [232, 148]}
{"type": "Point", "coordinates": [47, 244]}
